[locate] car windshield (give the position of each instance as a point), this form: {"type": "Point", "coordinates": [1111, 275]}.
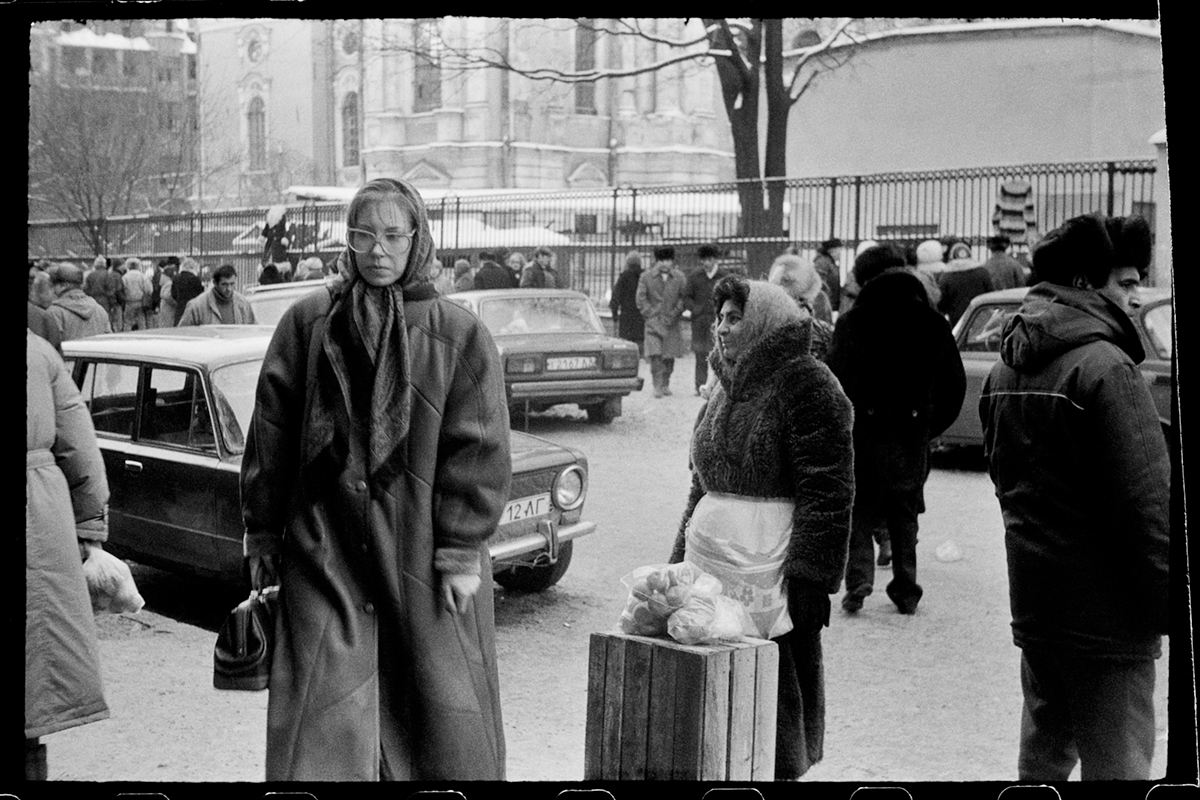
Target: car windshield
{"type": "Point", "coordinates": [516, 315]}
{"type": "Point", "coordinates": [233, 393]}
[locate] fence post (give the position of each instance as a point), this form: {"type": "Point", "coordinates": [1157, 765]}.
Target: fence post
{"type": "Point", "coordinates": [1112, 175]}
{"type": "Point", "coordinates": [612, 266]}
{"type": "Point", "coordinates": [857, 209]}
{"type": "Point", "coordinates": [634, 224]}
{"type": "Point", "coordinates": [457, 219]}
{"type": "Point", "coordinates": [832, 208]}
{"type": "Point", "coordinates": [192, 232]}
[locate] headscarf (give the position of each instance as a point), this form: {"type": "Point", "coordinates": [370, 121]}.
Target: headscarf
{"type": "Point", "coordinates": [374, 319]}
{"type": "Point", "coordinates": [768, 307]}
{"type": "Point", "coordinates": [798, 276]}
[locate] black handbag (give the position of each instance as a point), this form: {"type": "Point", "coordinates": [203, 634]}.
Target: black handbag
{"type": "Point", "coordinates": [242, 656]}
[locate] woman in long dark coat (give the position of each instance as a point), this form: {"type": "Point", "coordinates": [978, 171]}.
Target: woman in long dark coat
{"type": "Point", "coordinates": [778, 427]}
{"type": "Point", "coordinates": [627, 320]}
{"type": "Point", "coordinates": [376, 468]}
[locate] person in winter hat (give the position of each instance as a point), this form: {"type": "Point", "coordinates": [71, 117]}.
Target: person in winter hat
{"type": "Point", "coordinates": [775, 437]}
{"type": "Point", "coordinates": [77, 314]}
{"type": "Point", "coordinates": [963, 280]}
{"type": "Point", "coordinates": [1075, 449]}
{"type": "Point", "coordinates": [660, 299]}
{"type": "Point", "coordinates": [851, 287]}
{"type": "Point", "coordinates": [800, 279]}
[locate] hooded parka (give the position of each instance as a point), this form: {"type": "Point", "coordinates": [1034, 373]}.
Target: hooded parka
{"type": "Point", "coordinates": [66, 491]}
{"type": "Point", "coordinates": [78, 315]}
{"type": "Point", "coordinates": [369, 668]}
{"type": "Point", "coordinates": [1080, 464]}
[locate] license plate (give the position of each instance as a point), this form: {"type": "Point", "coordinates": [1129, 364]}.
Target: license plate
{"type": "Point", "coordinates": [571, 362]}
{"type": "Point", "coordinates": [525, 508]}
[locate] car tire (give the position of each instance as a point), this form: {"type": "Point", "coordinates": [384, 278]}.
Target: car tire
{"type": "Point", "coordinates": [526, 578]}
{"type": "Point", "coordinates": [604, 412]}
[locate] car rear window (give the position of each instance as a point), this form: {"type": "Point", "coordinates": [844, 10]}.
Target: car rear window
{"type": "Point", "coordinates": [985, 327]}
{"type": "Point", "coordinates": [516, 315]}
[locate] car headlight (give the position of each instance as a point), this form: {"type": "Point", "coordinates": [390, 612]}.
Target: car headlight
{"type": "Point", "coordinates": [568, 488]}
{"type": "Point", "coordinates": [621, 359]}
{"type": "Point", "coordinates": [522, 364]}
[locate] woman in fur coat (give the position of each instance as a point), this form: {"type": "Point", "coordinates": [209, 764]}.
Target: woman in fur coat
{"type": "Point", "coordinates": [777, 434]}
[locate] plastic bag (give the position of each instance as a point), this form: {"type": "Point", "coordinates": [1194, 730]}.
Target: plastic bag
{"type": "Point", "coordinates": [708, 620]}
{"type": "Point", "coordinates": [110, 583]}
{"type": "Point", "coordinates": [657, 591]}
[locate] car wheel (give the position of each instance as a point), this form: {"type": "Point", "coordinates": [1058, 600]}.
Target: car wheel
{"type": "Point", "coordinates": [604, 412]}
{"type": "Point", "coordinates": [535, 578]}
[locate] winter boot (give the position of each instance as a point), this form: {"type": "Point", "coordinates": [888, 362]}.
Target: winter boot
{"type": "Point", "coordinates": [656, 375]}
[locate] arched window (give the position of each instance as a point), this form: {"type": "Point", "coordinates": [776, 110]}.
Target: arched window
{"type": "Point", "coordinates": [256, 133]}
{"type": "Point", "coordinates": [350, 130]}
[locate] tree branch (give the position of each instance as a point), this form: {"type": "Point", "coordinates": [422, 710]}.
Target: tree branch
{"type": "Point", "coordinates": [815, 51]}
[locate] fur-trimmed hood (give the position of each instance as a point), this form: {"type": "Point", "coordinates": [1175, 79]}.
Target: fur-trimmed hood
{"type": "Point", "coordinates": [752, 372]}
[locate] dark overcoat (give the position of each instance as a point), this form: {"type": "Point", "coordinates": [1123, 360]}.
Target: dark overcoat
{"type": "Point", "coordinates": [368, 664]}
{"type": "Point", "coordinates": [697, 301]}
{"type": "Point", "coordinates": [899, 365]}
{"type": "Point", "coordinates": [629, 321]}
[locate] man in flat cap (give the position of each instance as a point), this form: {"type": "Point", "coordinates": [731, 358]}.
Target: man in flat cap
{"type": "Point", "coordinates": [660, 299]}
{"type": "Point", "coordinates": [77, 314]}
{"type": "Point", "coordinates": [1079, 460]}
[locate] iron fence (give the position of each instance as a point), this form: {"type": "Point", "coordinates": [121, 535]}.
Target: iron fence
{"type": "Point", "coordinates": [591, 231]}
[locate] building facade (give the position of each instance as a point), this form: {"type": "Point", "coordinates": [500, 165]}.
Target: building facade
{"type": "Point", "coordinates": [983, 94]}
{"type": "Point", "coordinates": [91, 84]}
{"type": "Point", "coordinates": [337, 102]}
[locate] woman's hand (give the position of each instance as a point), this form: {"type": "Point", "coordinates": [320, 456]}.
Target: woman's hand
{"type": "Point", "coordinates": [457, 591]}
{"type": "Point", "coordinates": [264, 571]}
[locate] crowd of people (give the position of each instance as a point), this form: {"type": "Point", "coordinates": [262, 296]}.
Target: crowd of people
{"type": "Point", "coordinates": [381, 410]}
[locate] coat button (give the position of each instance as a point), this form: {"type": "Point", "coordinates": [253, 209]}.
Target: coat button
{"type": "Point", "coordinates": [369, 607]}
{"type": "Point", "coordinates": [360, 486]}
{"type": "Point", "coordinates": [914, 412]}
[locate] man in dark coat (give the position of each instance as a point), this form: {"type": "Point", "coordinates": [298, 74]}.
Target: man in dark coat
{"type": "Point", "coordinates": [900, 368]}
{"type": "Point", "coordinates": [186, 287]}
{"type": "Point", "coordinates": [540, 274]}
{"type": "Point", "coordinates": [1081, 469]}
{"type": "Point", "coordinates": [1005, 271]}
{"type": "Point", "coordinates": [628, 322]}
{"type": "Point", "coordinates": [827, 268]}
{"type": "Point", "coordinates": [493, 276]}
{"type": "Point", "coordinates": [963, 280]}
{"type": "Point", "coordinates": [697, 301]}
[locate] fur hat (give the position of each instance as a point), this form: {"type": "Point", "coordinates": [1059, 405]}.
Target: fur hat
{"type": "Point", "coordinates": [875, 260]}
{"type": "Point", "coordinates": [664, 254]}
{"type": "Point", "coordinates": [798, 277]}
{"type": "Point", "coordinates": [960, 251]}
{"type": "Point", "coordinates": [1093, 246]}
{"type": "Point", "coordinates": [998, 242]}
{"type": "Point", "coordinates": [708, 251]}
{"type": "Point", "coordinates": [461, 267]}
{"type": "Point", "coordinates": [929, 252]}
{"type": "Point", "coordinates": [829, 244]}
{"type": "Point", "coordinates": [66, 273]}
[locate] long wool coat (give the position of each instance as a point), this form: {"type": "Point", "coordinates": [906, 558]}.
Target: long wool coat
{"type": "Point", "coordinates": [630, 323]}
{"type": "Point", "coordinates": [367, 663]}
{"type": "Point", "coordinates": [779, 426]}
{"type": "Point", "coordinates": [65, 494]}
{"type": "Point", "coordinates": [661, 304]}
{"type": "Point", "coordinates": [899, 365]}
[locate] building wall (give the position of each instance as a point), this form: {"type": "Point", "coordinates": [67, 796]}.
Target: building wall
{"type": "Point", "coordinates": [940, 100]}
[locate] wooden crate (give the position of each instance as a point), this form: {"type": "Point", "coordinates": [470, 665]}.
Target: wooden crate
{"type": "Point", "coordinates": [660, 710]}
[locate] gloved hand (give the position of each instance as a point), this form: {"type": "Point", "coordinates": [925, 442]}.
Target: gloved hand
{"type": "Point", "coordinates": [808, 605]}
{"type": "Point", "coordinates": [457, 591]}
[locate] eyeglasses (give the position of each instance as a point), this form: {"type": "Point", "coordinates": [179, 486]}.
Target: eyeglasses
{"type": "Point", "coordinates": [394, 242]}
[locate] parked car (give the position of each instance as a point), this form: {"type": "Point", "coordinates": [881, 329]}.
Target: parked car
{"type": "Point", "coordinates": [270, 300]}
{"type": "Point", "coordinates": [978, 336]}
{"type": "Point", "coordinates": [555, 350]}
{"type": "Point", "coordinates": [171, 408]}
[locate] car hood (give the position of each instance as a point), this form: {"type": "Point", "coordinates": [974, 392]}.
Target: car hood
{"type": "Point", "coordinates": [530, 453]}
{"type": "Point", "coordinates": [558, 342]}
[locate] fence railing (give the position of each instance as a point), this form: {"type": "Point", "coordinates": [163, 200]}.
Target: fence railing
{"type": "Point", "coordinates": [591, 230]}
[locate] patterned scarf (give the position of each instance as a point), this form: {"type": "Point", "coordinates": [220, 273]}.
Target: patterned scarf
{"type": "Point", "coordinates": [366, 342]}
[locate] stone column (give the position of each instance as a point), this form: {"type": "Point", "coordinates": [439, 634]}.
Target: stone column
{"type": "Point", "coordinates": [1160, 265]}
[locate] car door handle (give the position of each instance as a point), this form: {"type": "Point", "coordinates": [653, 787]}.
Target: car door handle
{"type": "Point", "coordinates": [133, 467]}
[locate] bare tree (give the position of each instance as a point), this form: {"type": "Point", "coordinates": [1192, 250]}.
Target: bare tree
{"type": "Point", "coordinates": [748, 55]}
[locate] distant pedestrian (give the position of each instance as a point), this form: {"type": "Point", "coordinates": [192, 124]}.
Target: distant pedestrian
{"type": "Point", "coordinates": [166, 305]}
{"type": "Point", "coordinates": [850, 288]}
{"type": "Point", "coordinates": [831, 274]}
{"type": "Point", "coordinates": [441, 277]}
{"type": "Point", "coordinates": [464, 275]}
{"type": "Point", "coordinates": [493, 276]}
{"type": "Point", "coordinates": [1082, 473]}
{"type": "Point", "coordinates": [541, 273]}
{"type": "Point", "coordinates": [899, 365]}
{"type": "Point", "coordinates": [929, 269]}
{"type": "Point", "coordinates": [627, 320]}
{"type": "Point", "coordinates": [277, 235]}
{"type": "Point", "coordinates": [39, 320]}
{"type": "Point", "coordinates": [220, 305]}
{"type": "Point", "coordinates": [800, 279]}
{"type": "Point", "coordinates": [660, 299]}
{"type": "Point", "coordinates": [1005, 271]}
{"type": "Point", "coordinates": [77, 314]}
{"type": "Point", "coordinates": [516, 264]}
{"type": "Point", "coordinates": [66, 497]}
{"type": "Point", "coordinates": [95, 283]}
{"type": "Point", "coordinates": [185, 287]}
{"type": "Point", "coordinates": [697, 301]}
{"type": "Point", "coordinates": [138, 294]}
{"type": "Point", "coordinates": [963, 280]}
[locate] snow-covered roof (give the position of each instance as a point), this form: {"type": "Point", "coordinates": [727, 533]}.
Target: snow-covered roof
{"type": "Point", "coordinates": [1134, 28]}
{"type": "Point", "coordinates": [85, 37]}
